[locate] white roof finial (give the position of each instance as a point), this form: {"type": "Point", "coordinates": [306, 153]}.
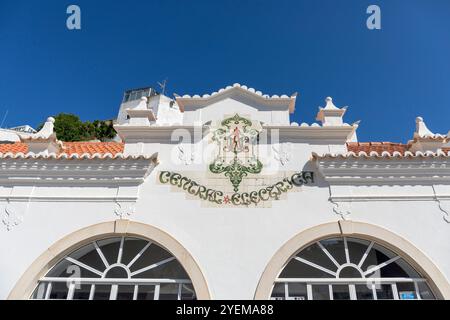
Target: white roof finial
{"type": "Point", "coordinates": [329, 104]}
{"type": "Point", "coordinates": [422, 129]}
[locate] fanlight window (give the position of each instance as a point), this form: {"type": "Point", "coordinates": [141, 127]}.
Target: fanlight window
{"type": "Point", "coordinates": [349, 269]}
{"type": "Point", "coordinates": [121, 268]}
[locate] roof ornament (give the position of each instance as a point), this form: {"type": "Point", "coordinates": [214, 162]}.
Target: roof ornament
{"type": "Point", "coordinates": [44, 141]}
{"type": "Point", "coordinates": [425, 140]}
{"type": "Point", "coordinates": [422, 130]}
{"type": "Point", "coordinates": [330, 115]}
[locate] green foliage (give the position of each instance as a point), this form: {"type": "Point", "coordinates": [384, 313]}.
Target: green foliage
{"type": "Point", "coordinates": [69, 127]}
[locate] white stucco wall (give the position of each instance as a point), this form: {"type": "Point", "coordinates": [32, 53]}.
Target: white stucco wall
{"type": "Point", "coordinates": [232, 246]}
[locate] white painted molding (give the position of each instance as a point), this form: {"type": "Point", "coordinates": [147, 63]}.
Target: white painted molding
{"type": "Point", "coordinates": [11, 216]}
{"type": "Point", "coordinates": [343, 209]}
{"type": "Point", "coordinates": [84, 172]}
{"type": "Point", "coordinates": [124, 210]}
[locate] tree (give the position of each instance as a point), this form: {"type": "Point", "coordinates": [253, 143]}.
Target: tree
{"type": "Point", "coordinates": [69, 127]}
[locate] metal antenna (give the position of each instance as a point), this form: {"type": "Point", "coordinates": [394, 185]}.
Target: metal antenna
{"type": "Point", "coordinates": [4, 118]}
{"type": "Point", "coordinates": [163, 86]}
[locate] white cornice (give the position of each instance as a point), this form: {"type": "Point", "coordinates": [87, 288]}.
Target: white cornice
{"type": "Point", "coordinates": [73, 171]}
{"type": "Point", "coordinates": [197, 101]}
{"type": "Point", "coordinates": [383, 171]}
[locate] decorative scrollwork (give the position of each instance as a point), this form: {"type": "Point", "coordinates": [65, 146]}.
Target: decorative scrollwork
{"type": "Point", "coordinates": [236, 138]}
{"type": "Point", "coordinates": [236, 171]}
{"type": "Point", "coordinates": [11, 217]}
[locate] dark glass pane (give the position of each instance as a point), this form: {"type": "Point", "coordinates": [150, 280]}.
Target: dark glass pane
{"type": "Point", "coordinates": [278, 292]}
{"type": "Point", "coordinates": [82, 292]}
{"type": "Point", "coordinates": [399, 269]}
{"type": "Point", "coordinates": [297, 291]}
{"type": "Point", "coordinates": [152, 255]}
{"type": "Point", "coordinates": [316, 255]}
{"type": "Point", "coordinates": [425, 291]}
{"type": "Point", "coordinates": [364, 292]}
{"type": "Point", "coordinates": [168, 292]}
{"type": "Point", "coordinates": [384, 292]}
{"type": "Point", "coordinates": [102, 292]}
{"type": "Point", "coordinates": [146, 292]}
{"type": "Point", "coordinates": [350, 272]}
{"type": "Point", "coordinates": [89, 256]}
{"type": "Point", "coordinates": [336, 248]}
{"type": "Point", "coordinates": [320, 292]}
{"type": "Point", "coordinates": [59, 290]}
{"type": "Point", "coordinates": [131, 247]}
{"type": "Point", "coordinates": [341, 292]}
{"type": "Point", "coordinates": [117, 273]}
{"type": "Point", "coordinates": [298, 269]}
{"type": "Point", "coordinates": [125, 292]}
{"type": "Point", "coordinates": [356, 249]}
{"type": "Point", "coordinates": [110, 248]}
{"type": "Point", "coordinates": [406, 291]}
{"type": "Point", "coordinates": [376, 256]}
{"type": "Point", "coordinates": [39, 292]}
{"type": "Point", "coordinates": [66, 269]}
{"type": "Point", "coordinates": [169, 270]}
{"type": "Point", "coordinates": [187, 292]}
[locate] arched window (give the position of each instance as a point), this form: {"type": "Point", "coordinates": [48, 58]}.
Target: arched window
{"type": "Point", "coordinates": [120, 268]}
{"type": "Point", "coordinates": [347, 268]}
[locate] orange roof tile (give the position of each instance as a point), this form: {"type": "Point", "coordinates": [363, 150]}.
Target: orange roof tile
{"type": "Point", "coordinates": [378, 147]}
{"type": "Point", "coordinates": [70, 148]}
{"type": "Point", "coordinates": [92, 147]}
{"type": "Point", "coordinates": [16, 147]}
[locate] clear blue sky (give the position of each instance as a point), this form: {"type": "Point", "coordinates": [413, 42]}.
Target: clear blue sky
{"type": "Point", "coordinates": [316, 47]}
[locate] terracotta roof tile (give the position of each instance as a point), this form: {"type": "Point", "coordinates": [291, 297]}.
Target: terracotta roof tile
{"type": "Point", "coordinates": [92, 147]}
{"type": "Point", "coordinates": [16, 147]}
{"type": "Point", "coordinates": [70, 148]}
{"type": "Point", "coordinates": [379, 147]}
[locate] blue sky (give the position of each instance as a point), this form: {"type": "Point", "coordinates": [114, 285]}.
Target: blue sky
{"type": "Point", "coordinates": [318, 48]}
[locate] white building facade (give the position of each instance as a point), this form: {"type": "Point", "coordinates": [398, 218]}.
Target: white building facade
{"type": "Point", "coordinates": [221, 197]}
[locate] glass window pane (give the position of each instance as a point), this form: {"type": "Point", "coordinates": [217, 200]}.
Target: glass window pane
{"type": "Point", "coordinates": [187, 292]}
{"type": "Point", "coordinates": [125, 292]}
{"type": "Point", "coordinates": [278, 292]}
{"type": "Point", "coordinates": [152, 255]}
{"type": "Point", "coordinates": [110, 248]}
{"type": "Point", "coordinates": [66, 269]}
{"type": "Point", "coordinates": [297, 291]}
{"type": "Point", "coordinates": [146, 292]}
{"type": "Point", "coordinates": [298, 269]}
{"type": "Point", "coordinates": [59, 290]}
{"type": "Point", "coordinates": [376, 256]}
{"type": "Point", "coordinates": [82, 292]}
{"type": "Point", "coordinates": [131, 247]}
{"type": "Point", "coordinates": [170, 270]}
{"type": "Point", "coordinates": [102, 292]}
{"type": "Point", "coordinates": [336, 248]}
{"type": "Point", "coordinates": [39, 292]}
{"type": "Point", "coordinates": [89, 256]}
{"type": "Point", "coordinates": [384, 292]}
{"type": "Point", "coordinates": [168, 291]}
{"type": "Point", "coordinates": [364, 292]}
{"type": "Point", "coordinates": [425, 291]}
{"type": "Point", "coordinates": [316, 255]}
{"type": "Point", "coordinates": [321, 292]}
{"type": "Point", "coordinates": [406, 291]}
{"type": "Point", "coordinates": [341, 292]}
{"type": "Point", "coordinates": [356, 249]}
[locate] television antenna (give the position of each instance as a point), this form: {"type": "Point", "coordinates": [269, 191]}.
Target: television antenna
{"type": "Point", "coordinates": [163, 85]}
{"type": "Point", "coordinates": [4, 118]}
